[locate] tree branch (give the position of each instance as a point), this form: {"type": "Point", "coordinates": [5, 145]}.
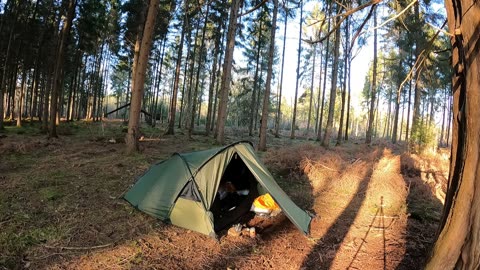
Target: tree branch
{"type": "Point", "coordinates": [79, 248]}
{"type": "Point", "coordinates": [357, 34]}
{"type": "Point", "coordinates": [344, 17]}
{"type": "Point", "coordinates": [421, 58]}
{"type": "Point", "coordinates": [396, 16]}
{"type": "Point", "coordinates": [254, 8]}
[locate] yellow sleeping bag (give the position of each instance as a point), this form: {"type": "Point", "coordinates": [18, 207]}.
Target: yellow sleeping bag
{"type": "Point", "coordinates": [264, 204]}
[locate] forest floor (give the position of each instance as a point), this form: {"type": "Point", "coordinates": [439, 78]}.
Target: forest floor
{"type": "Point", "coordinates": [376, 207]}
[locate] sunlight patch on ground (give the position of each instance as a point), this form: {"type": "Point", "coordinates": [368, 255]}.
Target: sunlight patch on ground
{"type": "Point", "coordinates": [375, 230]}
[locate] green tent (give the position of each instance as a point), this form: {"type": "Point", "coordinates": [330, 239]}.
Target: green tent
{"type": "Point", "coordinates": [184, 189]}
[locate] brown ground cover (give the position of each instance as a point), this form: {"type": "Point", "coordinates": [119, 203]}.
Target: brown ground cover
{"type": "Point", "coordinates": [376, 206]}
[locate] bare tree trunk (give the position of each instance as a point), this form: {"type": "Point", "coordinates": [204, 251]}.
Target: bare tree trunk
{"type": "Point", "coordinates": [58, 73]}
{"type": "Point", "coordinates": [407, 132]}
{"type": "Point", "coordinates": [344, 90]}
{"type": "Point", "coordinates": [190, 100]}
{"type": "Point", "coordinates": [347, 124]}
{"type": "Point", "coordinates": [319, 95]}
{"type": "Point", "coordinates": [279, 108]}
{"type": "Point", "coordinates": [311, 88]}
{"type": "Point", "coordinates": [253, 103]}
{"type": "Point", "coordinates": [402, 121]}
{"type": "Point", "coordinates": [371, 118]}
{"type": "Point", "coordinates": [417, 91]}
{"type": "Point", "coordinates": [139, 77]}
{"type": "Point", "coordinates": [201, 58]}
{"type": "Point", "coordinates": [46, 100]}
{"type": "Point", "coordinates": [458, 245]}
{"type": "Point", "coordinates": [20, 98]}
{"type": "Point", "coordinates": [213, 79]}
{"type": "Point", "coordinates": [444, 110]}
{"type": "Point", "coordinates": [450, 115]}
{"type": "Point", "coordinates": [325, 69]}
{"type": "Point", "coordinates": [333, 90]}
{"type": "Point", "coordinates": [36, 82]}
{"type": "Point", "coordinates": [227, 71]}
{"type": "Point", "coordinates": [292, 132]}
{"type": "Point", "coordinates": [397, 107]}
{"type": "Point", "coordinates": [377, 118]}
{"type": "Point", "coordinates": [257, 103]}
{"type": "Point", "coordinates": [184, 100]}
{"type": "Point", "coordinates": [262, 146]}
{"type": "Point", "coordinates": [3, 85]}
{"type": "Point", "coordinates": [173, 100]}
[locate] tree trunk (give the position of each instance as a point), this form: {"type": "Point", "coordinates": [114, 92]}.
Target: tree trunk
{"type": "Point", "coordinates": [333, 90]}
{"type": "Point", "coordinates": [36, 82]}
{"type": "Point", "coordinates": [325, 69]}
{"type": "Point", "coordinates": [417, 91]}
{"type": "Point", "coordinates": [253, 103]}
{"type": "Point", "coordinates": [213, 79]}
{"type": "Point", "coordinates": [189, 100]}
{"type": "Point", "coordinates": [371, 117]}
{"type": "Point", "coordinates": [403, 116]}
{"type": "Point", "coordinates": [173, 100]}
{"type": "Point", "coordinates": [292, 132]}
{"type": "Point", "coordinates": [397, 106]}
{"type": "Point", "coordinates": [262, 146]}
{"type": "Point", "coordinates": [311, 88]}
{"type": "Point", "coordinates": [407, 130]}
{"type": "Point", "coordinates": [71, 91]}
{"type": "Point", "coordinates": [344, 90]}
{"type": "Point", "coordinates": [444, 110]}
{"type": "Point", "coordinates": [214, 127]}
{"type": "Point", "coordinates": [319, 95]}
{"type": "Point", "coordinates": [450, 116]}
{"type": "Point", "coordinates": [58, 73]}
{"type": "Point", "coordinates": [20, 98]}
{"type": "Point", "coordinates": [3, 85]}
{"type": "Point", "coordinates": [46, 100]}
{"type": "Point", "coordinates": [257, 103]}
{"type": "Point", "coordinates": [201, 58]}
{"type": "Point", "coordinates": [279, 108]}
{"type": "Point", "coordinates": [227, 71]}
{"type": "Point", "coordinates": [349, 96]}
{"type": "Point", "coordinates": [139, 77]}
{"type": "Point", "coordinates": [458, 245]}
{"type": "Point", "coordinates": [184, 100]}
{"type": "Point", "coordinates": [157, 86]}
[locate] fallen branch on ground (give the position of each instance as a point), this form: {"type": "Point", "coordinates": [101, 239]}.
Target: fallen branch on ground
{"type": "Point", "coordinates": [79, 248]}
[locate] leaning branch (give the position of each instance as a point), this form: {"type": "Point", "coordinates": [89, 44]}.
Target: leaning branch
{"type": "Point", "coordinates": [396, 16]}
{"type": "Point", "coordinates": [254, 8]}
{"type": "Point", "coordinates": [344, 17]}
{"type": "Point", "coordinates": [421, 58]}
{"type": "Point", "coordinates": [357, 34]}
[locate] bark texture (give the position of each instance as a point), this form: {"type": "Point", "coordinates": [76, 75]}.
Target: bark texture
{"type": "Point", "coordinates": [58, 74]}
{"type": "Point", "coordinates": [227, 71]}
{"type": "Point", "coordinates": [458, 244]}
{"type": "Point", "coordinates": [139, 78]}
{"type": "Point", "coordinates": [266, 99]}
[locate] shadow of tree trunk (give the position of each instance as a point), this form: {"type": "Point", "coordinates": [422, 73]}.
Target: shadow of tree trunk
{"type": "Point", "coordinates": [337, 232]}
{"type": "Point", "coordinates": [424, 211]}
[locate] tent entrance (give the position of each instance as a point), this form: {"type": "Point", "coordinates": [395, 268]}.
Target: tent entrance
{"type": "Point", "coordinates": [237, 190]}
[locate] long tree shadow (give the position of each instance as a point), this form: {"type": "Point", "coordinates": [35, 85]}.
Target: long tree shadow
{"type": "Point", "coordinates": [424, 212]}
{"type": "Point", "coordinates": [337, 232]}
